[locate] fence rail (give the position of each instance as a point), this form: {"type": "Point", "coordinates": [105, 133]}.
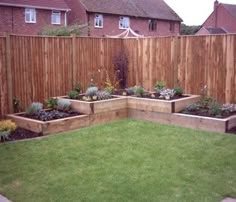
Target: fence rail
{"type": "Point", "coordinates": [33, 68]}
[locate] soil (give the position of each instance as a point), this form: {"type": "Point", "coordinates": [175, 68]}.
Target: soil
{"type": "Point", "coordinates": [20, 134]}
{"type": "Point", "coordinates": [45, 115]}
{"type": "Point", "coordinates": [157, 96]}
{"type": "Point", "coordinates": [81, 99]}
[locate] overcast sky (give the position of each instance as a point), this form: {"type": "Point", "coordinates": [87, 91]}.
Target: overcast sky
{"type": "Point", "coordinates": [194, 12]}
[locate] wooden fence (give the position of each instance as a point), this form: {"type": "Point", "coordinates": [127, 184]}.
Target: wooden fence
{"type": "Point", "coordinates": [33, 68]}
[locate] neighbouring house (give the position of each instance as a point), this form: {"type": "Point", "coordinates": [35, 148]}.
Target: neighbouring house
{"type": "Point", "coordinates": [112, 17]}
{"type": "Point", "coordinates": [31, 16]}
{"type": "Point", "coordinates": [221, 21]}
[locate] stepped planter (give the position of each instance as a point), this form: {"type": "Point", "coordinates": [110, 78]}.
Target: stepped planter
{"type": "Point", "coordinates": [50, 127]}
{"type": "Point", "coordinates": [159, 105]}
{"type": "Point", "coordinates": [116, 103]}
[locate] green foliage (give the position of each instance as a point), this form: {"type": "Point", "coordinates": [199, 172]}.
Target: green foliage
{"type": "Point", "coordinates": [78, 88]}
{"type": "Point", "coordinates": [63, 105]}
{"type": "Point", "coordinates": [103, 95]}
{"type": "Point", "coordinates": [189, 30]}
{"type": "Point", "coordinates": [139, 91]}
{"type": "Point", "coordinates": [51, 103]}
{"type": "Point", "coordinates": [61, 31]}
{"type": "Point", "coordinates": [215, 109]}
{"type": "Point", "coordinates": [193, 107]}
{"type": "Point", "coordinates": [130, 91]}
{"type": "Point", "coordinates": [73, 94]}
{"type": "Point", "coordinates": [6, 127]}
{"type": "Point", "coordinates": [160, 85]}
{"type": "Point", "coordinates": [34, 108]}
{"type": "Point", "coordinates": [206, 101]}
{"type": "Point", "coordinates": [228, 108]}
{"type": "Point", "coordinates": [91, 91]}
{"type": "Point", "coordinates": [178, 91]}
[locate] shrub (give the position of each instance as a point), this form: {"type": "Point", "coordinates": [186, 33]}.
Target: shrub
{"type": "Point", "coordinates": [130, 91]}
{"type": "Point", "coordinates": [206, 101]}
{"type": "Point", "coordinates": [178, 91]}
{"type": "Point", "coordinates": [193, 107]}
{"type": "Point", "coordinates": [215, 109]}
{"type": "Point", "coordinates": [63, 105]}
{"type": "Point", "coordinates": [6, 127]}
{"type": "Point", "coordinates": [167, 93]}
{"type": "Point", "coordinates": [160, 85]}
{"type": "Point", "coordinates": [138, 91]}
{"type": "Point", "coordinates": [78, 88]}
{"type": "Point", "coordinates": [51, 103]}
{"type": "Point", "coordinates": [91, 91]}
{"type": "Point", "coordinates": [228, 108]}
{"type": "Point", "coordinates": [34, 108]}
{"type": "Point", "coordinates": [73, 94]}
{"type": "Point", "coordinates": [103, 95]}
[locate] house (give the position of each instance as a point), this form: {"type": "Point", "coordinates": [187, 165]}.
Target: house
{"type": "Point", "coordinates": [112, 17]}
{"type": "Point", "coordinates": [31, 16]}
{"type": "Point", "coordinates": [221, 21]}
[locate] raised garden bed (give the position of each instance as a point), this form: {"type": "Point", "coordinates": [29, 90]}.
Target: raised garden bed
{"type": "Point", "coordinates": [185, 120]}
{"type": "Point", "coordinates": [50, 127]}
{"type": "Point", "coordinates": [159, 105]}
{"type": "Point", "coordinates": [99, 106]}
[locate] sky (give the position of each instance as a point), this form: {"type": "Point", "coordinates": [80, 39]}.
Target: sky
{"type": "Point", "coordinates": [194, 12]}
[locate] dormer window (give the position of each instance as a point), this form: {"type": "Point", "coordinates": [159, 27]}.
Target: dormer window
{"type": "Point", "coordinates": [124, 23]}
{"type": "Point", "coordinates": [98, 21]}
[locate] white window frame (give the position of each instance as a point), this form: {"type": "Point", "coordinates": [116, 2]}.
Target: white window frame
{"type": "Point", "coordinates": [57, 15]}
{"type": "Point", "coordinates": [32, 15]}
{"type": "Point", "coordinates": [98, 20]}
{"type": "Point", "coordinates": [124, 22]}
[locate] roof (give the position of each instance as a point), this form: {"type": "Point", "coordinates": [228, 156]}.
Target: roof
{"type": "Point", "coordinates": [231, 8]}
{"type": "Point", "coordinates": [156, 9]}
{"type": "Point", "coordinates": [41, 4]}
{"type": "Point", "coordinates": [213, 30]}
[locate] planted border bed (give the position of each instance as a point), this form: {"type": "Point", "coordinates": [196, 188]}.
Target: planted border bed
{"type": "Point", "coordinates": [186, 120]}
{"type": "Point", "coordinates": [50, 127]}
{"type": "Point", "coordinates": [100, 106]}
{"type": "Point", "coordinates": [158, 105]}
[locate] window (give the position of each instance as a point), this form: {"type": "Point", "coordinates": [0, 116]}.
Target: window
{"type": "Point", "coordinates": [30, 15]}
{"type": "Point", "coordinates": [56, 18]}
{"type": "Point", "coordinates": [152, 24]}
{"type": "Point", "coordinates": [124, 23]}
{"type": "Point", "coordinates": [98, 21]}
{"type": "Point", "coordinates": [172, 26]}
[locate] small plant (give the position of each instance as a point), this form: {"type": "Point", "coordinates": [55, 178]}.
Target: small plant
{"type": "Point", "coordinates": [16, 104]}
{"type": "Point", "coordinates": [159, 86]}
{"type": "Point", "coordinates": [103, 95]}
{"type": "Point", "coordinates": [110, 85]}
{"type": "Point", "coordinates": [167, 93]}
{"type": "Point", "coordinates": [138, 91]}
{"type": "Point", "coordinates": [91, 91]}
{"type": "Point", "coordinates": [78, 88]}
{"type": "Point", "coordinates": [6, 127]}
{"type": "Point", "coordinates": [73, 94]}
{"type": "Point", "coordinates": [205, 100]}
{"type": "Point", "coordinates": [34, 108]}
{"type": "Point", "coordinates": [130, 91]}
{"type": "Point", "coordinates": [228, 108]}
{"type": "Point", "coordinates": [51, 103]}
{"type": "Point", "coordinates": [215, 109]}
{"type": "Point", "coordinates": [193, 107]}
{"type": "Point", "coordinates": [178, 91]}
{"type": "Point", "coordinates": [63, 105]}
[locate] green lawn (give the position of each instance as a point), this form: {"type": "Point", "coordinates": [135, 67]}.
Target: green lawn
{"type": "Point", "coordinates": [122, 161]}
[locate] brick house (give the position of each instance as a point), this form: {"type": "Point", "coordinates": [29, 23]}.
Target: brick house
{"type": "Point", "coordinates": [221, 21]}
{"type": "Point", "coordinates": [31, 16]}
{"type": "Point", "coordinates": [145, 17]}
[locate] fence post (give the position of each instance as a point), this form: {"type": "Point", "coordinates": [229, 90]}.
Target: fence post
{"type": "Point", "coordinates": [73, 60]}
{"type": "Point", "coordinates": [176, 52]}
{"type": "Point", "coordinates": [9, 72]}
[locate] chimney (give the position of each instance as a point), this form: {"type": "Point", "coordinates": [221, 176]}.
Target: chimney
{"type": "Point", "coordinates": [216, 3]}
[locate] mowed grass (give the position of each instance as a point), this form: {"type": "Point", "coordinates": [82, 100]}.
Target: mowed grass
{"type": "Point", "coordinates": [121, 161]}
